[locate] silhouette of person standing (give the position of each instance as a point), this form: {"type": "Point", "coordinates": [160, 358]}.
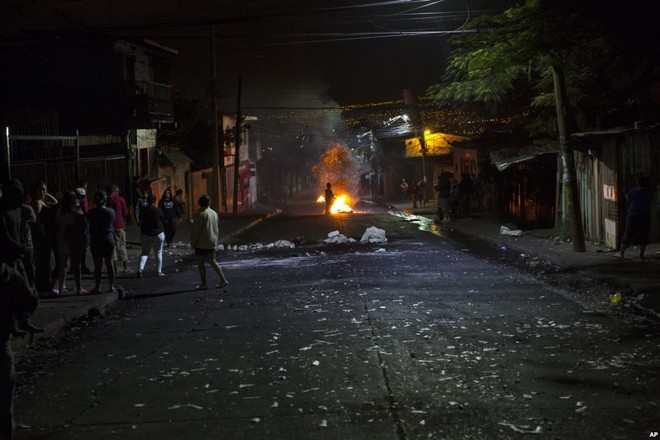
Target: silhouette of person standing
{"type": "Point", "coordinates": [329, 197]}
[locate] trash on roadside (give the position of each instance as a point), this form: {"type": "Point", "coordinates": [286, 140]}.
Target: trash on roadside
{"type": "Point", "coordinates": [373, 235]}
{"type": "Point", "coordinates": [281, 244]}
{"type": "Point", "coordinates": [337, 237]}
{"type": "Point", "coordinates": [502, 249]}
{"type": "Point", "coordinates": [512, 233]}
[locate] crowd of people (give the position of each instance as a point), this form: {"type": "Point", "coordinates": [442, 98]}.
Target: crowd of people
{"type": "Point", "coordinates": [54, 232]}
{"type": "Point", "coordinates": [44, 237]}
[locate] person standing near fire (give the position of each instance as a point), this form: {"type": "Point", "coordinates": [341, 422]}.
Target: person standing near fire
{"type": "Point", "coordinates": [329, 197]}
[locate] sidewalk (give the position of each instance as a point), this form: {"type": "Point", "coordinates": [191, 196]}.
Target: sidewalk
{"type": "Point", "coordinates": [638, 280]}
{"type": "Point", "coordinates": [53, 314]}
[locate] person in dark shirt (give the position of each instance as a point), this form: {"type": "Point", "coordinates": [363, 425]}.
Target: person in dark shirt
{"type": "Point", "coordinates": [101, 220]}
{"type": "Point", "coordinates": [43, 235]}
{"type": "Point", "coordinates": [153, 235]}
{"type": "Point", "coordinates": [465, 188]}
{"type": "Point", "coordinates": [171, 213]}
{"type": "Point", "coordinates": [443, 188]}
{"type": "Point", "coordinates": [14, 242]}
{"type": "Point", "coordinates": [638, 217]}
{"type": "Point", "coordinates": [329, 197]}
{"type": "Point", "coordinates": [71, 228]}
{"type": "Point", "coordinates": [17, 303]}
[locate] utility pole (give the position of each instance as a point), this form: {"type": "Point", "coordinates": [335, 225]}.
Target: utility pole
{"type": "Point", "coordinates": [237, 142]}
{"type": "Point", "coordinates": [568, 161]}
{"type": "Point", "coordinates": [214, 122]}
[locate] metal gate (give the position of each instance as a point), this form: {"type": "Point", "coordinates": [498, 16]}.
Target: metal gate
{"type": "Point", "coordinates": [57, 161]}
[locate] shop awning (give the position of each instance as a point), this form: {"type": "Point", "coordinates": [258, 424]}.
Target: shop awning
{"type": "Point", "coordinates": [437, 144]}
{"type": "Point", "coordinates": [506, 157]}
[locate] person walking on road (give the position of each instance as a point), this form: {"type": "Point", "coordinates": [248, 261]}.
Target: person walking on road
{"type": "Point", "coordinates": [172, 214]}
{"type": "Point", "coordinates": [117, 203]}
{"type": "Point", "coordinates": [101, 220]}
{"type": "Point", "coordinates": [329, 197]}
{"type": "Point", "coordinates": [204, 239]}
{"type": "Point", "coordinates": [152, 229]}
{"type": "Point", "coordinates": [638, 217]}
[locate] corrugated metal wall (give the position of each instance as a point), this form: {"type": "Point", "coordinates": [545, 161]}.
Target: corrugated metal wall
{"type": "Point", "coordinates": [607, 165]}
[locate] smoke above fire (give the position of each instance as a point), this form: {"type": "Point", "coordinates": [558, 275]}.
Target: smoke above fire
{"type": "Point", "coordinates": [337, 167]}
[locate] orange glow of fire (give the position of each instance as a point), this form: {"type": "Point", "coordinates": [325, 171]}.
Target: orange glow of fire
{"type": "Point", "coordinates": [341, 203]}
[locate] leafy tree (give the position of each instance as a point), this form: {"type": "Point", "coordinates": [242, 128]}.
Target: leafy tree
{"type": "Point", "coordinates": [505, 65]}
{"type": "Point", "coordinates": [535, 56]}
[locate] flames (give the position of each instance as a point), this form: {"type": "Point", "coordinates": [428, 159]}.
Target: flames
{"type": "Point", "coordinates": [336, 166]}
{"type": "Point", "coordinates": [341, 204]}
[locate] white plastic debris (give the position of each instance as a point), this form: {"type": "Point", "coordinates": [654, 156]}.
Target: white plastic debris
{"type": "Point", "coordinates": [512, 233]}
{"type": "Point", "coordinates": [337, 237]}
{"type": "Point", "coordinates": [373, 235]}
{"type": "Point", "coordinates": [523, 429]}
{"type": "Point", "coordinates": [283, 244]}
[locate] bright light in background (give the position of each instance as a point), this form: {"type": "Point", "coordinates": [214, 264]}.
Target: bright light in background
{"type": "Point", "coordinates": [341, 203]}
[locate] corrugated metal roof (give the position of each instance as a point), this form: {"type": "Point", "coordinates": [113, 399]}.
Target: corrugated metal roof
{"type": "Point", "coordinates": [506, 157]}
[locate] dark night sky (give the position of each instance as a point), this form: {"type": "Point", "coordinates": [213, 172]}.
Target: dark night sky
{"type": "Point", "coordinates": [363, 51]}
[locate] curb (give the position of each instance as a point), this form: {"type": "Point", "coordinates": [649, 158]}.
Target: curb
{"type": "Point", "coordinates": [80, 306]}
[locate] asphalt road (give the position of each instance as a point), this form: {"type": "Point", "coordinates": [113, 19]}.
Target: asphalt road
{"type": "Point", "coordinates": [414, 338]}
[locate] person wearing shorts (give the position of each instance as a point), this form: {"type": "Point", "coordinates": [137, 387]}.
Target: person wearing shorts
{"type": "Point", "coordinates": [203, 239]}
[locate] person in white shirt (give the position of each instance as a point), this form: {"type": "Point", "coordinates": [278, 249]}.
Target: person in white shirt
{"type": "Point", "coordinates": [203, 239]}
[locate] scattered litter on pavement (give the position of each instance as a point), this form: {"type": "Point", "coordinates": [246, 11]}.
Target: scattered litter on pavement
{"type": "Point", "coordinates": [186, 405]}
{"type": "Point", "coordinates": [511, 233]}
{"type": "Point", "coordinates": [616, 298]}
{"type": "Point", "coordinates": [523, 429]}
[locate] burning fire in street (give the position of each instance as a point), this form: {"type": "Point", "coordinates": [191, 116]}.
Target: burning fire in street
{"type": "Point", "coordinates": [342, 203]}
{"type": "Point", "coordinates": [336, 167]}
